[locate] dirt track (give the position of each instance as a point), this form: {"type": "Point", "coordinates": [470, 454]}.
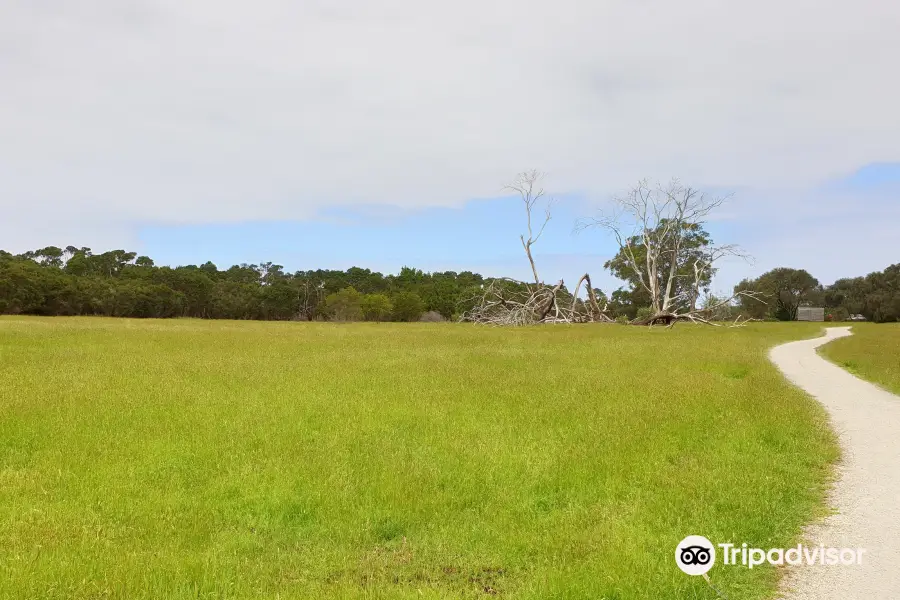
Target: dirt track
{"type": "Point", "coordinates": [866, 494]}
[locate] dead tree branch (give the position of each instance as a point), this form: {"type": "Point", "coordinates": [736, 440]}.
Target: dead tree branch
{"type": "Point", "coordinates": [595, 313]}
{"type": "Point", "coordinates": [653, 225]}
{"type": "Point", "coordinates": [528, 186]}
{"type": "Point", "coordinates": [510, 302]}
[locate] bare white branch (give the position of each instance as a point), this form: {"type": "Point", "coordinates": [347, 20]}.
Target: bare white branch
{"type": "Point", "coordinates": [528, 186]}
{"type": "Point", "coordinates": [660, 218]}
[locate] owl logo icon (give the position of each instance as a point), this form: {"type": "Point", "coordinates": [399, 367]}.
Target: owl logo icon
{"type": "Point", "coordinates": [695, 555]}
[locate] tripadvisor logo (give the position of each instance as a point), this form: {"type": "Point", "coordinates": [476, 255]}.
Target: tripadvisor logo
{"type": "Point", "coordinates": [696, 555]}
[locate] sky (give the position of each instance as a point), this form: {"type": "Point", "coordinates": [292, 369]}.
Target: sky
{"type": "Point", "coordinates": [381, 133]}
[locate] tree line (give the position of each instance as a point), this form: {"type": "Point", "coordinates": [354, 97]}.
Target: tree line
{"type": "Point", "coordinates": [75, 281]}
{"type": "Point", "coordinates": [783, 291]}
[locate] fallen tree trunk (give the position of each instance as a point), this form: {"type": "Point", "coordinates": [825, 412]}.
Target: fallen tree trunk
{"type": "Point", "coordinates": [661, 318]}
{"type": "Point", "coordinates": [551, 302]}
{"type": "Point", "coordinates": [595, 313]}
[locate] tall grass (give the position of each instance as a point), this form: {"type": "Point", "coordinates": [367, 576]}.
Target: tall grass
{"type": "Point", "coordinates": [872, 352]}
{"type": "Point", "coordinates": [189, 459]}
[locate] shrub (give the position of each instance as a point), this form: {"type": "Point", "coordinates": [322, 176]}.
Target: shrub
{"type": "Point", "coordinates": [344, 305]}
{"type": "Point", "coordinates": [408, 306]}
{"type": "Point", "coordinates": [375, 307]}
{"type": "Point", "coordinates": [644, 312]}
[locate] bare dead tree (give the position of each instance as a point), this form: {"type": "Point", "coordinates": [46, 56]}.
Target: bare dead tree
{"type": "Point", "coordinates": [660, 217]}
{"type": "Point", "coordinates": [528, 186]}
{"type": "Point", "coordinates": [510, 302]}
{"type": "Point", "coordinates": [311, 297]}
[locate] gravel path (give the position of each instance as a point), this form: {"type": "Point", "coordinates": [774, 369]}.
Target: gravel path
{"type": "Point", "coordinates": [866, 494]}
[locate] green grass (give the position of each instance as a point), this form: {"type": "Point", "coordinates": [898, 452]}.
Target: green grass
{"type": "Point", "coordinates": [189, 459]}
{"type": "Point", "coordinates": [872, 352]}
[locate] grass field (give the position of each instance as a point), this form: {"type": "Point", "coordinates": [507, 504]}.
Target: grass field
{"type": "Point", "coordinates": [872, 352]}
{"type": "Point", "coordinates": [188, 459]}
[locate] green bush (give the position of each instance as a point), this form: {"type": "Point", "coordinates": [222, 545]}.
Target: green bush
{"type": "Point", "coordinates": [644, 312]}
{"type": "Point", "coordinates": [376, 307]}
{"type": "Point", "coordinates": [344, 305]}
{"type": "Point", "coordinates": [408, 306]}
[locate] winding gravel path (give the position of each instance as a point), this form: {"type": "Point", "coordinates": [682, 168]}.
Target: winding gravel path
{"type": "Point", "coordinates": [866, 494]}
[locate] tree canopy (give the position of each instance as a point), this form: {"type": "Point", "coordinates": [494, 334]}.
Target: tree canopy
{"type": "Point", "coordinates": [690, 252]}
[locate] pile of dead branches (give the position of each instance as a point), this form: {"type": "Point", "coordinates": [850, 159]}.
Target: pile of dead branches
{"type": "Point", "coordinates": [510, 302]}
{"type": "Point", "coordinates": [655, 227]}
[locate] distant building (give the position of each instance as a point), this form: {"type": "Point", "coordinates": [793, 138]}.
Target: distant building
{"type": "Point", "coordinates": [810, 313]}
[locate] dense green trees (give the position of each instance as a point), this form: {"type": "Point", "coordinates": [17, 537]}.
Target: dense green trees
{"type": "Point", "coordinates": [75, 281]}
{"type": "Point", "coordinates": [779, 293]}
{"type": "Point", "coordinates": [875, 296]}
{"type": "Point", "coordinates": [782, 291]}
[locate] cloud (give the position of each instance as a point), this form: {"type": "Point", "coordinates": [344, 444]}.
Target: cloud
{"type": "Point", "coordinates": [116, 114]}
{"type": "Point", "coordinates": [843, 228]}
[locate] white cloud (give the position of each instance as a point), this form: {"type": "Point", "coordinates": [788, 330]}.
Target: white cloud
{"type": "Point", "coordinates": [116, 113]}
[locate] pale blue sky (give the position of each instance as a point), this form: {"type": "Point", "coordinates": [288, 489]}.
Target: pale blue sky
{"type": "Point", "coordinates": [482, 235]}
